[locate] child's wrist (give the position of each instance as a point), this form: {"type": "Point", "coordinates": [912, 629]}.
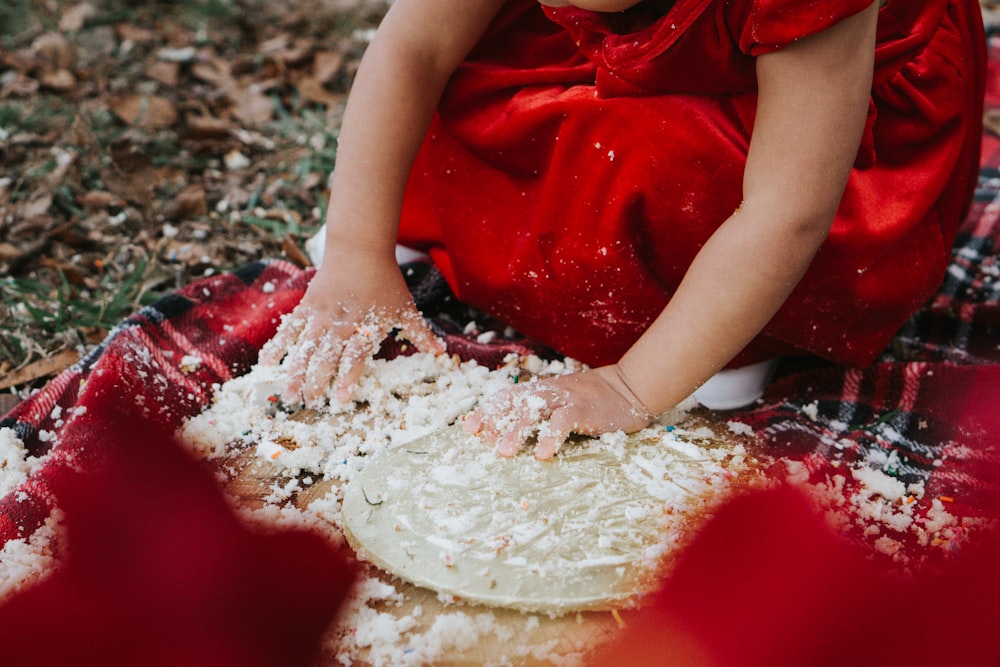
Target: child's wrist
{"type": "Point", "coordinates": [639, 406]}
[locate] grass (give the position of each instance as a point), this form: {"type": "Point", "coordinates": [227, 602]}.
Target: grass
{"type": "Point", "coordinates": [114, 253]}
{"type": "Point", "coordinates": [14, 16]}
{"type": "Point", "coordinates": [34, 310]}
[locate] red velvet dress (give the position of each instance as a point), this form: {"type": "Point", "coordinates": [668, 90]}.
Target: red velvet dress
{"type": "Point", "coordinates": [580, 160]}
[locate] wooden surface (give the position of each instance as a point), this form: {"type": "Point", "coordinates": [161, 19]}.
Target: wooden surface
{"type": "Point", "coordinates": [574, 633]}
{"type": "Point", "coordinates": [512, 637]}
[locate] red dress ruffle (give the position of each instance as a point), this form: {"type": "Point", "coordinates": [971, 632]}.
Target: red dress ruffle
{"type": "Point", "coordinates": [579, 161]}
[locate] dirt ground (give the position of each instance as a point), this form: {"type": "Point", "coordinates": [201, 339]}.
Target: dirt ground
{"type": "Point", "coordinates": [146, 145]}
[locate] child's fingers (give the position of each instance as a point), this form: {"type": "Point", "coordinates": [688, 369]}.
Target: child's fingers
{"type": "Point", "coordinates": [495, 418]}
{"type": "Point", "coordinates": [321, 366]}
{"type": "Point", "coordinates": [359, 349]}
{"type": "Point", "coordinates": [560, 425]}
{"type": "Point", "coordinates": [512, 441]}
{"type": "Point", "coordinates": [295, 367]}
{"type": "Point", "coordinates": [297, 362]}
{"type": "Point", "coordinates": [288, 332]}
{"type": "Point", "coordinates": [416, 330]}
{"type": "Point", "coordinates": [473, 423]}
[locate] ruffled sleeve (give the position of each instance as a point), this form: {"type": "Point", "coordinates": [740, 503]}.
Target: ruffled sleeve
{"type": "Point", "coordinates": [763, 26]}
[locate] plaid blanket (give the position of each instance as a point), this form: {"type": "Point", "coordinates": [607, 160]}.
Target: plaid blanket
{"type": "Point", "coordinates": [925, 414]}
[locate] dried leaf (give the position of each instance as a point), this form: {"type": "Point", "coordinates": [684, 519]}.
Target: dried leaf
{"type": "Point", "coordinates": [7, 401]}
{"type": "Point", "coordinates": [326, 65]}
{"type": "Point", "coordinates": [67, 234]}
{"type": "Point", "coordinates": [167, 73]}
{"type": "Point", "coordinates": [153, 112]}
{"type": "Point", "coordinates": [133, 33]}
{"type": "Point", "coordinates": [94, 335]}
{"type": "Point", "coordinates": [130, 186]}
{"type": "Point", "coordinates": [251, 106]}
{"type": "Point", "coordinates": [298, 54]}
{"type": "Point", "coordinates": [42, 368]}
{"type": "Point", "coordinates": [294, 254]}
{"type": "Point", "coordinates": [312, 180]}
{"type": "Point", "coordinates": [312, 90]}
{"type": "Point", "coordinates": [74, 17]}
{"type": "Point", "coordinates": [215, 71]}
{"type": "Point", "coordinates": [53, 51]}
{"type": "Point", "coordinates": [21, 60]}
{"type": "Point", "coordinates": [19, 86]}
{"type": "Point", "coordinates": [73, 274]}
{"type": "Point", "coordinates": [64, 160]}
{"type": "Point", "coordinates": [61, 80]}
{"type": "Point", "coordinates": [96, 200]}
{"type": "Point", "coordinates": [991, 121]}
{"type": "Point", "coordinates": [9, 252]}
{"type": "Point", "coordinates": [276, 44]}
{"type": "Point", "coordinates": [191, 201]}
{"type": "Point", "coordinates": [38, 206]}
{"type": "Point", "coordinates": [200, 127]}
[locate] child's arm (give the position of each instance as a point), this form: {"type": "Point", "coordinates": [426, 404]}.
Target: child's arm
{"type": "Point", "coordinates": [358, 294]}
{"type": "Point", "coordinates": [813, 99]}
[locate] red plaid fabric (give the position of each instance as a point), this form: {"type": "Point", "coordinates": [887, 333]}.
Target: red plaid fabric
{"type": "Point", "coordinates": [931, 399]}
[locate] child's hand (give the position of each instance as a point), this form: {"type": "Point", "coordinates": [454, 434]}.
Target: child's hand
{"type": "Point", "coordinates": [346, 313]}
{"type": "Point", "coordinates": [589, 403]}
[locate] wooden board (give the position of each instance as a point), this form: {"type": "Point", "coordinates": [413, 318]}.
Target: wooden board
{"type": "Point", "coordinates": [537, 636]}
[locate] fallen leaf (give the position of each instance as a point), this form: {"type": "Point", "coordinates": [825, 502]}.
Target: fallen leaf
{"type": "Point", "coordinates": [191, 201]}
{"type": "Point", "coordinates": [312, 90]}
{"type": "Point", "coordinates": [43, 368]}
{"type": "Point", "coordinates": [74, 276]}
{"type": "Point", "coordinates": [53, 50]}
{"type": "Point", "coordinates": [96, 200]}
{"type": "Point", "coordinates": [19, 86]}
{"type": "Point", "coordinates": [297, 54]}
{"type": "Point", "coordinates": [251, 106]}
{"type": "Point", "coordinates": [133, 33]}
{"type": "Point", "coordinates": [9, 251]}
{"type": "Point", "coordinates": [277, 43]}
{"type": "Point", "coordinates": [215, 71]}
{"type": "Point", "coordinates": [21, 60]}
{"type": "Point", "coordinates": [991, 121]}
{"type": "Point", "coordinates": [133, 187]}
{"type": "Point", "coordinates": [202, 127]}
{"type": "Point", "coordinates": [68, 234]}
{"type": "Point", "coordinates": [61, 80]}
{"type": "Point", "coordinates": [153, 112]}
{"type": "Point", "coordinates": [94, 335]}
{"type": "Point", "coordinates": [74, 17]}
{"type": "Point", "coordinates": [167, 73]}
{"type": "Point", "coordinates": [38, 206]}
{"type": "Point", "coordinates": [290, 247]}
{"type": "Point", "coordinates": [326, 65]}
{"type": "Point", "coordinates": [312, 180]}
{"type": "Point", "coordinates": [8, 401]}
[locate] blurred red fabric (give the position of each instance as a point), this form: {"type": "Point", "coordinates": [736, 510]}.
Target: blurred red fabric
{"type": "Point", "coordinates": [159, 571]}
{"type": "Point", "coordinates": [580, 160]}
{"type": "Point", "coordinates": [768, 583]}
